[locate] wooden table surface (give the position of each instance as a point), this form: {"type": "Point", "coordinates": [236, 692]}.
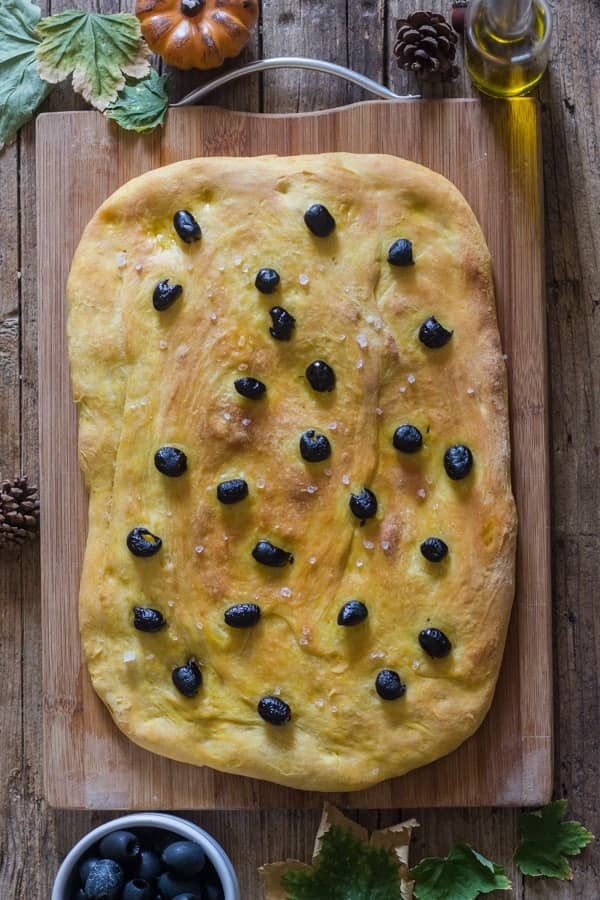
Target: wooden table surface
{"type": "Point", "coordinates": [358, 33]}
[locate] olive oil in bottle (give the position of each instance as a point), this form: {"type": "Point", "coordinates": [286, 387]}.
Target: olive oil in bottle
{"type": "Point", "coordinates": [506, 45]}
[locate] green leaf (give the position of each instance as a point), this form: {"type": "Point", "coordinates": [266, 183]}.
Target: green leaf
{"type": "Point", "coordinates": [545, 841]}
{"type": "Point", "coordinates": [98, 50]}
{"type": "Point", "coordinates": [346, 869]}
{"type": "Point", "coordinates": [21, 88]}
{"type": "Point", "coordinates": [463, 875]}
{"type": "Point", "coordinates": [141, 106]}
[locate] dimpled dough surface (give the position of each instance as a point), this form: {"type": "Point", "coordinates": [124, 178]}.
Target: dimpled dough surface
{"type": "Point", "coordinates": [144, 379]}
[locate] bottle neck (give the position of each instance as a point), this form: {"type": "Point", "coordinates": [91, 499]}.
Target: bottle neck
{"type": "Point", "coordinates": [509, 18]}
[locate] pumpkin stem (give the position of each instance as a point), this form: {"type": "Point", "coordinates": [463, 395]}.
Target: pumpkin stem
{"type": "Point", "coordinates": [191, 7]}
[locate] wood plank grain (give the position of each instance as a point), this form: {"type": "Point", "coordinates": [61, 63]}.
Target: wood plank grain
{"type": "Point", "coordinates": [89, 763]}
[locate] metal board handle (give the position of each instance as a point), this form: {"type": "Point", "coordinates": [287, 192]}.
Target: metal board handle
{"type": "Point", "coordinates": [294, 62]}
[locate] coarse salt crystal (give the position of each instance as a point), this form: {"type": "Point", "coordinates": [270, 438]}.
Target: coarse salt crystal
{"type": "Point", "coordinates": [242, 367]}
{"type": "Point", "coordinates": [415, 665]}
{"type": "Point", "coordinates": [319, 702]}
{"type": "Point", "coordinates": [312, 560]}
{"type": "Point", "coordinates": [221, 268]}
{"type": "Point", "coordinates": [303, 278]}
{"type": "Point", "coordinates": [362, 340]}
{"type": "Point", "coordinates": [128, 656]}
{"type": "Point", "coordinates": [359, 563]}
{"type": "Point", "coordinates": [169, 514]}
{"type": "Point", "coordinates": [199, 549]}
{"type": "Point", "coordinates": [163, 345]}
{"type": "Point", "coordinates": [333, 709]}
{"type": "Point", "coordinates": [237, 261]}
{"type": "Point", "coordinates": [345, 479]}
{"type": "Point", "coordinates": [199, 626]}
{"type": "Point", "coordinates": [277, 692]}
{"type": "Point", "coordinates": [225, 537]}
{"type": "Point", "coordinates": [245, 269]}
{"type": "Point", "coordinates": [260, 483]}
{"type": "Point", "coordinates": [378, 411]}
{"type": "Point", "coordinates": [210, 293]}
{"type": "Point", "coordinates": [470, 391]}
{"type": "Point", "coordinates": [149, 656]}
{"type": "Point", "coordinates": [242, 340]}
{"type": "Point", "coordinates": [377, 324]}
{"type": "Point", "coordinates": [375, 772]}
{"type": "Point", "coordinates": [411, 378]}
{"type": "Point", "coordinates": [170, 603]}
{"type": "Point", "coordinates": [385, 546]}
{"type": "Point", "coordinates": [342, 337]}
{"type": "Point", "coordinates": [213, 317]}
{"type": "Point", "coordinates": [121, 260]}
{"type": "Point", "coordinates": [327, 472]}
{"type": "Point", "coordinates": [436, 506]}
{"type": "Point", "coordinates": [377, 654]}
{"type": "Point", "coordinates": [359, 364]}
{"type": "Point", "coordinates": [332, 426]}
{"type": "Point", "coordinates": [227, 416]}
{"type": "Point", "coordinates": [182, 351]}
{"type": "Point", "coordinates": [303, 641]}
{"type": "Point", "coordinates": [246, 422]}
{"type": "Point", "coordinates": [285, 592]}
{"type": "Point", "coordinates": [368, 545]}
{"type": "Point", "coordinates": [138, 267]}
{"type": "Point", "coordinates": [422, 493]}
{"type": "Point", "coordinates": [312, 489]}
{"type": "Point", "coordinates": [402, 390]}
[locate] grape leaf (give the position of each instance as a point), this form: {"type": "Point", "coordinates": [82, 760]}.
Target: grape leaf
{"type": "Point", "coordinates": [141, 106]}
{"type": "Point", "coordinates": [346, 869]}
{"type": "Point", "coordinates": [21, 88]}
{"type": "Point", "coordinates": [545, 841]}
{"type": "Point", "coordinates": [99, 50]}
{"type": "Point", "coordinates": [463, 875]}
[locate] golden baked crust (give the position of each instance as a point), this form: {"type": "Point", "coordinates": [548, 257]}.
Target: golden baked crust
{"type": "Point", "coordinates": [144, 379]}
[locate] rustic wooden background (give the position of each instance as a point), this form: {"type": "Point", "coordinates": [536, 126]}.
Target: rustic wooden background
{"type": "Point", "coordinates": [359, 33]}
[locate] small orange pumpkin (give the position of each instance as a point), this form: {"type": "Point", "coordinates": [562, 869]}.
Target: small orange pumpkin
{"type": "Point", "coordinates": [197, 34]}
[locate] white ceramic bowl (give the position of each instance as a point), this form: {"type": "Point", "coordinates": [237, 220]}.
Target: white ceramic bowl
{"type": "Point", "coordinates": [181, 828]}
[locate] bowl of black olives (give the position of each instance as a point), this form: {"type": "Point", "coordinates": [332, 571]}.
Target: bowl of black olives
{"type": "Point", "coordinates": [147, 856]}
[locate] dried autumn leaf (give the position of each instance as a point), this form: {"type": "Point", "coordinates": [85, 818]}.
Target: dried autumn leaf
{"type": "Point", "coordinates": [545, 840]}
{"type": "Point", "coordinates": [141, 106]}
{"type": "Point", "coordinates": [99, 51]}
{"type": "Point", "coordinates": [346, 864]}
{"type": "Point", "coordinates": [21, 88]}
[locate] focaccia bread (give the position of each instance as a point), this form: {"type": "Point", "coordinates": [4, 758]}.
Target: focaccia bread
{"type": "Point", "coordinates": [293, 427]}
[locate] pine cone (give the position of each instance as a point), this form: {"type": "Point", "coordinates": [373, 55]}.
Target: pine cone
{"type": "Point", "coordinates": [19, 512]}
{"type": "Point", "coordinates": [426, 45]}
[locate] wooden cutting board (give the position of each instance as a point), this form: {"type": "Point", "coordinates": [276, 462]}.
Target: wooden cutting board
{"type": "Point", "coordinates": [491, 151]}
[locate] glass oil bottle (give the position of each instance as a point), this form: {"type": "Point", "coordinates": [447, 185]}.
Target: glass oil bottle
{"type": "Point", "coordinates": [507, 44]}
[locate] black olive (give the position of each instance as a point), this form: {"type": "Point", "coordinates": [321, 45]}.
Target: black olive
{"type": "Point", "coordinates": [352, 613]}
{"type": "Point", "coordinates": [149, 866]}
{"type": "Point", "coordinates": [138, 889]}
{"type": "Point", "coordinates": [364, 505]}
{"type": "Point", "coordinates": [185, 858]}
{"type": "Point", "coordinates": [389, 685]}
{"type": "Point", "coordinates": [267, 281]}
{"type": "Point", "coordinates": [248, 387]}
{"type": "Point", "coordinates": [434, 335]}
{"type": "Point", "coordinates": [320, 376]}
{"type": "Point", "coordinates": [142, 542]}
{"type": "Point", "coordinates": [274, 710]}
{"type": "Point", "coordinates": [232, 491]}
{"type": "Point", "coordinates": [122, 846]}
{"type": "Point", "coordinates": [187, 679]}
{"type": "Point", "coordinates": [269, 555]}
{"type": "Point", "coordinates": [242, 615]}
{"type": "Point", "coordinates": [319, 220]}
{"type": "Point", "coordinates": [435, 643]}
{"type": "Point", "coordinates": [434, 549]}
{"type": "Point", "coordinates": [170, 461]}
{"type": "Point", "coordinates": [458, 462]}
{"type": "Point", "coordinates": [86, 867]}
{"type": "Point", "coordinates": [147, 619]}
{"type": "Point", "coordinates": [165, 294]}
{"type": "Point", "coordinates": [314, 447]}
{"type": "Point", "coordinates": [105, 880]}
{"type": "Point", "coordinates": [283, 323]}
{"type": "Point", "coordinates": [407, 439]}
{"type": "Point", "coordinates": [186, 226]}
{"type": "Point", "coordinates": [191, 7]}
{"type": "Point", "coordinates": [170, 886]}
{"type": "Point", "coordinates": [400, 253]}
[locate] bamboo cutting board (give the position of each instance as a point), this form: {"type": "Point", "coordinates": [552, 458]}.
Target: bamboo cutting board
{"type": "Point", "coordinates": [491, 151]}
